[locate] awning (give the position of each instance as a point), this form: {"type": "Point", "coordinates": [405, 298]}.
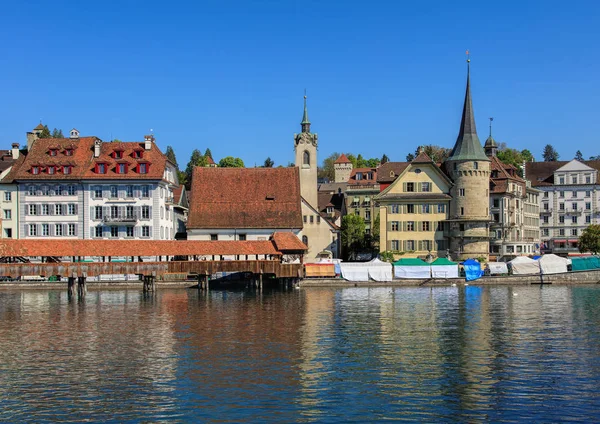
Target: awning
{"type": "Point", "coordinates": [559, 241]}
{"type": "Point", "coordinates": [573, 241]}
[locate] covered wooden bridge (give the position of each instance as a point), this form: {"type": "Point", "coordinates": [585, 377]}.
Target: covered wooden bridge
{"type": "Point", "coordinates": [281, 257]}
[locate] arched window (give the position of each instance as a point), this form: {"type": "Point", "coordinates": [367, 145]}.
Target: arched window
{"type": "Point", "coordinates": [305, 240]}
{"type": "Point", "coordinates": [306, 160]}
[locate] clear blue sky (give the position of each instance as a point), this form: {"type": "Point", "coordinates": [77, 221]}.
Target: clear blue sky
{"type": "Point", "coordinates": [382, 76]}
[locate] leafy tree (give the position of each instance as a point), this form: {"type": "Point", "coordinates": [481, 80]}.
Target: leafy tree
{"type": "Point", "coordinates": [196, 159]}
{"type": "Point", "coordinates": [327, 170]}
{"type": "Point", "coordinates": [595, 157]}
{"type": "Point", "coordinates": [231, 162]}
{"type": "Point", "coordinates": [550, 154]}
{"type": "Point", "coordinates": [527, 155]}
{"type": "Point", "coordinates": [208, 153]}
{"type": "Point", "coordinates": [268, 163]}
{"type": "Point", "coordinates": [57, 133]}
{"type": "Point", "coordinates": [375, 230]}
{"type": "Point", "coordinates": [384, 159]}
{"type": "Point", "coordinates": [436, 153]}
{"type": "Point", "coordinates": [170, 154]}
{"type": "Point", "coordinates": [514, 157]}
{"type": "Point", "coordinates": [578, 155]}
{"type": "Point", "coordinates": [410, 157]}
{"type": "Point", "coordinates": [352, 234]}
{"type": "Point", "coordinates": [590, 239]}
{"type": "Point", "coordinates": [45, 133]}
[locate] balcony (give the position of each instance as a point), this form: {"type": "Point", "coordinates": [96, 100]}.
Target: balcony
{"type": "Point", "coordinates": [170, 200]}
{"type": "Point", "coordinates": [564, 249]}
{"type": "Point", "coordinates": [573, 211]}
{"type": "Point", "coordinates": [120, 219]}
{"type": "Point", "coordinates": [545, 211]}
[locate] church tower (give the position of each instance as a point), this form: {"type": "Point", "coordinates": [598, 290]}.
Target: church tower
{"type": "Point", "coordinates": [305, 149]}
{"type": "Point", "coordinates": [469, 168]}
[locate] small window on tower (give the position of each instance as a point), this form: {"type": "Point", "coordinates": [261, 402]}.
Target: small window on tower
{"type": "Point", "coordinates": [306, 159]}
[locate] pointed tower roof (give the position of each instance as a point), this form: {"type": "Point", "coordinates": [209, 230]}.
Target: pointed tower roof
{"type": "Point", "coordinates": [39, 127]}
{"type": "Point", "coordinates": [468, 146]}
{"type": "Point", "coordinates": [342, 159]}
{"type": "Point", "coordinates": [305, 122]}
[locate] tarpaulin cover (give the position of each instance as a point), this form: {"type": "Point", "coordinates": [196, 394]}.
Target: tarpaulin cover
{"type": "Point", "coordinates": [497, 268]}
{"type": "Point", "coordinates": [355, 271]}
{"type": "Point", "coordinates": [444, 268]}
{"type": "Point", "coordinates": [585, 263]}
{"type": "Point", "coordinates": [473, 269]}
{"type": "Point", "coordinates": [522, 265]}
{"type": "Point", "coordinates": [552, 264]}
{"type": "Point", "coordinates": [380, 271]}
{"type": "Point", "coordinates": [411, 268]}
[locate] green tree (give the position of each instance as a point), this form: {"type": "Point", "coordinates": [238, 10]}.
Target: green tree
{"type": "Point", "coordinates": [57, 133]}
{"type": "Point", "coordinates": [410, 157]}
{"type": "Point", "coordinates": [375, 230]}
{"type": "Point", "coordinates": [268, 163]}
{"type": "Point", "coordinates": [589, 241]}
{"type": "Point", "coordinates": [208, 153]}
{"type": "Point", "coordinates": [170, 154]}
{"type": "Point", "coordinates": [436, 153]}
{"type": "Point", "coordinates": [384, 159]}
{"type": "Point", "coordinates": [578, 155]}
{"type": "Point", "coordinates": [231, 162]}
{"type": "Point", "coordinates": [527, 155]}
{"type": "Point", "coordinates": [352, 235]}
{"type": "Point", "coordinates": [550, 154]}
{"type": "Point", "coordinates": [45, 133]}
{"type": "Point", "coordinates": [327, 171]}
{"type": "Point", "coordinates": [196, 159]}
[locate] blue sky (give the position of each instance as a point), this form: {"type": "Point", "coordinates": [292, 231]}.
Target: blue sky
{"type": "Point", "coordinates": [382, 76]}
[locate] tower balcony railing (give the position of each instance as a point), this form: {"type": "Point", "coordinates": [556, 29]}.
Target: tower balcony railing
{"type": "Point", "coordinates": [120, 219]}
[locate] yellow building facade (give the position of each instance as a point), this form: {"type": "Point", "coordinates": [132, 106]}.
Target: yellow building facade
{"type": "Point", "coordinates": [413, 209]}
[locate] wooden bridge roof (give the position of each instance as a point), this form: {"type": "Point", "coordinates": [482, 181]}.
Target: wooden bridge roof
{"type": "Point", "coordinates": [85, 248]}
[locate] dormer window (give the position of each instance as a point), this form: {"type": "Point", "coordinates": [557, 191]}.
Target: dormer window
{"type": "Point", "coordinates": [35, 170]}
{"type": "Point", "coordinates": [67, 169]}
{"type": "Point", "coordinates": [121, 168]}
{"type": "Point", "coordinates": [143, 168]}
{"type": "Point", "coordinates": [137, 154]}
{"type": "Point", "coordinates": [329, 209]}
{"type": "Point", "coordinates": [359, 176]}
{"type": "Point", "coordinates": [51, 170]}
{"type": "Point", "coordinates": [118, 154]}
{"type": "Point", "coordinates": [101, 168]}
{"type": "Point", "coordinates": [69, 152]}
{"type": "Point", "coordinates": [53, 152]}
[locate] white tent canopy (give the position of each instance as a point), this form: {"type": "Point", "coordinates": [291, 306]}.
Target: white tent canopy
{"type": "Point", "coordinates": [522, 265]}
{"type": "Point", "coordinates": [497, 268]}
{"type": "Point", "coordinates": [380, 271]}
{"type": "Point", "coordinates": [552, 264]}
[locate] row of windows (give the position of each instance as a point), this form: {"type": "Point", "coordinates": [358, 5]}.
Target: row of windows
{"type": "Point", "coordinates": [120, 212]}
{"type": "Point", "coordinates": [412, 187]}
{"type": "Point", "coordinates": [40, 190]}
{"type": "Point", "coordinates": [574, 193]}
{"type": "Point", "coordinates": [52, 169]}
{"type": "Point", "coordinates": [418, 208]}
{"type": "Point", "coordinates": [128, 231]}
{"type": "Point", "coordinates": [574, 179]}
{"type": "Point", "coordinates": [51, 209]}
{"type": "Point", "coordinates": [418, 245]}
{"type": "Point", "coordinates": [122, 168]}
{"type": "Point", "coordinates": [52, 230]}
{"type": "Point", "coordinates": [560, 232]}
{"type": "Point", "coordinates": [121, 192]}
{"type": "Point", "coordinates": [311, 218]}
{"type": "Point", "coordinates": [416, 226]}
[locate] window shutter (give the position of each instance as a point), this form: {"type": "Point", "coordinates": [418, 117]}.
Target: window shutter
{"type": "Point", "coordinates": [389, 226]}
{"type": "Point", "coordinates": [26, 209]}
{"type": "Point", "coordinates": [419, 187]}
{"type": "Point", "coordinates": [403, 225]}
{"type": "Point", "coordinates": [404, 187]}
{"type": "Point", "coordinates": [75, 207]}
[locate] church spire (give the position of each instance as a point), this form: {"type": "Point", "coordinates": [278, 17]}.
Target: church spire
{"type": "Point", "coordinates": [468, 146]}
{"type": "Point", "coordinates": [305, 122]}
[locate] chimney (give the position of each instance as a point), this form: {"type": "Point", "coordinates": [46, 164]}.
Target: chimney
{"type": "Point", "coordinates": [15, 151]}
{"type": "Point", "coordinates": [31, 137]}
{"type": "Point", "coordinates": [148, 139]}
{"type": "Point", "coordinates": [97, 145]}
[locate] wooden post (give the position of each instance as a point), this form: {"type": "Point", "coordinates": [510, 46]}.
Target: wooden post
{"type": "Point", "coordinates": [260, 280]}
{"type": "Point", "coordinates": [206, 282]}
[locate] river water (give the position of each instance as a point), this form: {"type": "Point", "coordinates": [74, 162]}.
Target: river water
{"type": "Point", "coordinates": [444, 354]}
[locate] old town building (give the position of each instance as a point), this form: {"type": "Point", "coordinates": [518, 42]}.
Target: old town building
{"type": "Point", "coordinates": [569, 201]}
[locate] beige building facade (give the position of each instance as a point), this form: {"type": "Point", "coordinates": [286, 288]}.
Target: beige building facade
{"type": "Point", "coordinates": [413, 211]}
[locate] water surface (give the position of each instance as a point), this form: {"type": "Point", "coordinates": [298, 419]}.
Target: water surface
{"type": "Point", "coordinates": [452, 354]}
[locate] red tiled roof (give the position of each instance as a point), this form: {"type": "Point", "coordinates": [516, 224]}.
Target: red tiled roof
{"type": "Point", "coordinates": [542, 173]}
{"type": "Point", "coordinates": [245, 198]}
{"type": "Point", "coordinates": [84, 163]}
{"type": "Point", "coordinates": [285, 241]}
{"type": "Point", "coordinates": [384, 173]}
{"type": "Point", "coordinates": [28, 248]}
{"type": "Point", "coordinates": [353, 181]}
{"type": "Point", "coordinates": [39, 127]}
{"type": "Point", "coordinates": [210, 160]}
{"type": "Point", "coordinates": [422, 158]}
{"type": "Point", "coordinates": [342, 159]}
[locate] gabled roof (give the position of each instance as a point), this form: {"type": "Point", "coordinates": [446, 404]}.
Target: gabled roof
{"type": "Point", "coordinates": [335, 200]}
{"type": "Point", "coordinates": [342, 159]}
{"type": "Point", "coordinates": [467, 146]}
{"type": "Point", "coordinates": [39, 127]}
{"type": "Point", "coordinates": [422, 158]}
{"type": "Point", "coordinates": [574, 165]}
{"type": "Point", "coordinates": [239, 198]}
{"type": "Point", "coordinates": [352, 181]}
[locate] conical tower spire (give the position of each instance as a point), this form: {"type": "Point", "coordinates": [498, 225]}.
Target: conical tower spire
{"type": "Point", "coordinates": [305, 122]}
{"type": "Point", "coordinates": [468, 146]}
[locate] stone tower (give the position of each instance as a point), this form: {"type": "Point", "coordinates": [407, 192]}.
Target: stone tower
{"type": "Point", "coordinates": [342, 168]}
{"type": "Point", "coordinates": [469, 169]}
{"type": "Point", "coordinates": [305, 149]}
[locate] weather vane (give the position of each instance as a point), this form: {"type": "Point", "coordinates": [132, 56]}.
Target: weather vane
{"type": "Point", "coordinates": [491, 120]}
{"type": "Point", "coordinates": [468, 57]}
